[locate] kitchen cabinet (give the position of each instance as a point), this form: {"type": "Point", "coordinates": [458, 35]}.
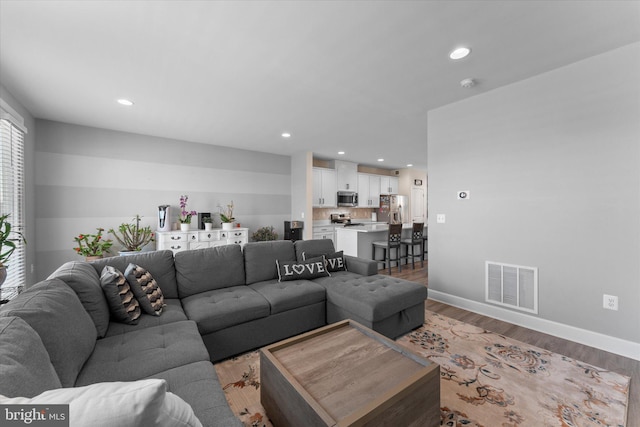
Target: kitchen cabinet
{"type": "Point", "coordinates": [178, 241]}
{"type": "Point", "coordinates": [347, 175]}
{"type": "Point", "coordinates": [325, 232]}
{"type": "Point", "coordinates": [368, 191]}
{"type": "Point", "coordinates": [324, 188]}
{"type": "Point", "coordinates": [389, 185]}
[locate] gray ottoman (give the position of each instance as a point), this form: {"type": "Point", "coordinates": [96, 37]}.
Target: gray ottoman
{"type": "Point", "coordinates": [385, 304]}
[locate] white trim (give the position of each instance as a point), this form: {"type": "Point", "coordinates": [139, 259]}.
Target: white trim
{"type": "Point", "coordinates": [8, 113]}
{"type": "Point", "coordinates": [593, 339]}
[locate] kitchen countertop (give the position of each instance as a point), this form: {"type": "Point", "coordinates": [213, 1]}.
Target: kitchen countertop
{"type": "Point", "coordinates": [373, 227]}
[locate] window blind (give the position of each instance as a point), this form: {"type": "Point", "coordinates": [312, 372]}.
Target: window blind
{"type": "Point", "coordinates": [12, 191]}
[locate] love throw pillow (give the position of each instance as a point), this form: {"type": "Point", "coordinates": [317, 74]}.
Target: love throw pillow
{"type": "Point", "coordinates": [308, 269]}
{"type": "Point", "coordinates": [334, 262]}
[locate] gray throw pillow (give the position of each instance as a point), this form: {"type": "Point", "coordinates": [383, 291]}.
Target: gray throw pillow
{"type": "Point", "coordinates": [24, 362]}
{"type": "Point", "coordinates": [145, 288]}
{"type": "Point", "coordinates": [124, 306]}
{"type": "Point", "coordinates": [308, 269]}
{"type": "Point", "coordinates": [334, 261]}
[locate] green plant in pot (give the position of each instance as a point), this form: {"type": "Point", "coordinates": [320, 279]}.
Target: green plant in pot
{"type": "Point", "coordinates": [226, 216]}
{"type": "Point", "coordinates": [132, 237]}
{"type": "Point", "coordinates": [208, 223]}
{"type": "Point", "coordinates": [263, 234]}
{"type": "Point", "coordinates": [9, 241]}
{"type": "Point", "coordinates": [92, 246]}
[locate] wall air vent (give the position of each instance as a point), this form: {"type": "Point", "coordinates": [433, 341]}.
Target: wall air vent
{"type": "Point", "coordinates": [513, 286]}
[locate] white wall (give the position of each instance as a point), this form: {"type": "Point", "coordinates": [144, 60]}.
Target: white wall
{"type": "Point", "coordinates": [553, 166]}
{"type": "Point", "coordinates": [88, 177]}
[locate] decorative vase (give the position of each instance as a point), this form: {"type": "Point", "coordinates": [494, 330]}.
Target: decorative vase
{"type": "Point", "coordinates": [184, 226]}
{"type": "Point", "coordinates": [208, 226]}
{"type": "Point", "coordinates": [93, 258]}
{"type": "Point", "coordinates": [227, 226]}
{"type": "Point", "coordinates": [128, 253]}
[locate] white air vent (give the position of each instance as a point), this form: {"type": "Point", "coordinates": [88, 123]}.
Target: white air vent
{"type": "Point", "coordinates": [513, 286]}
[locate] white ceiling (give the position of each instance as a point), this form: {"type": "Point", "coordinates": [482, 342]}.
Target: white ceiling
{"type": "Point", "coordinates": [358, 76]}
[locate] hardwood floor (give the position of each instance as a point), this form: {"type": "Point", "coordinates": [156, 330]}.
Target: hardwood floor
{"type": "Point", "coordinates": [593, 356]}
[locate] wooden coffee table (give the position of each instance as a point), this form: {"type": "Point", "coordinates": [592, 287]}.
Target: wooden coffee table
{"type": "Point", "coordinates": [345, 374]}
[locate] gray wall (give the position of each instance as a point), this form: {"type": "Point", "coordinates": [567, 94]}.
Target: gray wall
{"type": "Point", "coordinates": [88, 177]}
{"type": "Point", "coordinates": [29, 156]}
{"type": "Point", "coordinates": [553, 166]}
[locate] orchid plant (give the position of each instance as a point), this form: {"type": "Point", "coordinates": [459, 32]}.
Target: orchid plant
{"type": "Point", "coordinates": [226, 215]}
{"type": "Point", "coordinates": [185, 215]}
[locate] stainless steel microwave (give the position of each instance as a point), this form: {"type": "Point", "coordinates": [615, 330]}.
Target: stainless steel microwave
{"type": "Point", "coordinates": [347, 198]}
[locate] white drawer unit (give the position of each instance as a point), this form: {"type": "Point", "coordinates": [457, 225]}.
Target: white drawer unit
{"type": "Point", "coordinates": [325, 232]}
{"type": "Point", "coordinates": [177, 241]}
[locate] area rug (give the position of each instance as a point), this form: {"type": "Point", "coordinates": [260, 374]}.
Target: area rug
{"type": "Point", "coordinates": [487, 380]}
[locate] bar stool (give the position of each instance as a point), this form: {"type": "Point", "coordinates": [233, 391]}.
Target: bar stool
{"type": "Point", "coordinates": [415, 240]}
{"type": "Point", "coordinates": [393, 242]}
{"type": "Point", "coordinates": [424, 246]}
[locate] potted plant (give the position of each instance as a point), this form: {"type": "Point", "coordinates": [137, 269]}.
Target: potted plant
{"type": "Point", "coordinates": [263, 234]}
{"type": "Point", "coordinates": [132, 237]}
{"type": "Point", "coordinates": [208, 223]}
{"type": "Point", "coordinates": [92, 246]}
{"type": "Point", "coordinates": [185, 215]}
{"type": "Point", "coordinates": [226, 216]}
{"type": "Point", "coordinates": [8, 244]}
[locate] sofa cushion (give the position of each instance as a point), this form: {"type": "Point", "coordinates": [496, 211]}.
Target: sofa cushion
{"type": "Point", "coordinates": [313, 248]}
{"type": "Point", "coordinates": [142, 353]}
{"type": "Point", "coordinates": [54, 311]}
{"type": "Point", "coordinates": [197, 383]}
{"type": "Point", "coordinates": [287, 295]}
{"type": "Point", "coordinates": [24, 362]}
{"type": "Point", "coordinates": [221, 308]}
{"type": "Point", "coordinates": [123, 304]}
{"type": "Point", "coordinates": [208, 269]}
{"type": "Point", "coordinates": [373, 297]}
{"type": "Point", "coordinates": [159, 263]}
{"type": "Point", "coordinates": [122, 404]}
{"type": "Point", "coordinates": [171, 312]}
{"type": "Point", "coordinates": [302, 270]}
{"type": "Point", "coordinates": [145, 288]}
{"type": "Point", "coordinates": [85, 281]}
{"type": "Point", "coordinates": [260, 259]}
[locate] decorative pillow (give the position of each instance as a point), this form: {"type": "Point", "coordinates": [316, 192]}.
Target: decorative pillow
{"type": "Point", "coordinates": [122, 404]}
{"type": "Point", "coordinates": [124, 306]}
{"type": "Point", "coordinates": [308, 269]}
{"type": "Point", "coordinates": [334, 261]}
{"type": "Point", "coordinates": [145, 288]}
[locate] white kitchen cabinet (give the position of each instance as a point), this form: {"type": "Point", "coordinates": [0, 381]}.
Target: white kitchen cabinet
{"type": "Point", "coordinates": [178, 241]}
{"type": "Point", "coordinates": [347, 175]}
{"type": "Point", "coordinates": [324, 188]}
{"type": "Point", "coordinates": [368, 191]}
{"type": "Point", "coordinates": [325, 232]}
{"type": "Point", "coordinates": [389, 184]}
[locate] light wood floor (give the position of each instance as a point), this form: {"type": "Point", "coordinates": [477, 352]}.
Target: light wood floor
{"type": "Point", "coordinates": [600, 358]}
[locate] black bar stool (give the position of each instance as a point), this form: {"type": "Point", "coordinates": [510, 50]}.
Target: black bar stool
{"type": "Point", "coordinates": [415, 240]}
{"type": "Point", "coordinates": [393, 241]}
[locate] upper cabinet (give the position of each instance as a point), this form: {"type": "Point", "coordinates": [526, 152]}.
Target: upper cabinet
{"type": "Point", "coordinates": [324, 188]}
{"type": "Point", "coordinates": [368, 191]}
{"type": "Point", "coordinates": [389, 184]}
{"type": "Point", "coordinates": [347, 175]}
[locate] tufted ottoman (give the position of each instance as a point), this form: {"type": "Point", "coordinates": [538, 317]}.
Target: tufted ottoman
{"type": "Point", "coordinates": [385, 304]}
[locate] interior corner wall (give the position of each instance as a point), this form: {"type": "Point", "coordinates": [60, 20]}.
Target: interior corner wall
{"type": "Point", "coordinates": [302, 190]}
{"type": "Point", "coordinates": [88, 177]}
{"type": "Point", "coordinates": [553, 167]}
{"type": "Point", "coordinates": [29, 181]}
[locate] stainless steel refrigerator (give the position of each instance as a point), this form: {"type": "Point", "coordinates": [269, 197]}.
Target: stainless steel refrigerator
{"type": "Point", "coordinates": [393, 209]}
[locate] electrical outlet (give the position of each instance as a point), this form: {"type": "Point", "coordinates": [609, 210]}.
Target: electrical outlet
{"type": "Point", "coordinates": [610, 302]}
{"type": "Point", "coordinates": [440, 218]}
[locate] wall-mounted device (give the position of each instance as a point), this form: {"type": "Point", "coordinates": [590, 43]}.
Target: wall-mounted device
{"type": "Point", "coordinates": [464, 195]}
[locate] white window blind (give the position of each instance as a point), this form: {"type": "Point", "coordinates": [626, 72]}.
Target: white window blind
{"type": "Point", "coordinates": [12, 188]}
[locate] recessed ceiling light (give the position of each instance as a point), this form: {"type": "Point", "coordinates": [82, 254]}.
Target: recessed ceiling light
{"type": "Point", "coordinates": [409, 165]}
{"type": "Point", "coordinates": [381, 160]}
{"type": "Point", "coordinates": [286, 135]}
{"type": "Point", "coordinates": [341, 152]}
{"type": "Point", "coordinates": [125, 102]}
{"type": "Point", "coordinates": [459, 53]}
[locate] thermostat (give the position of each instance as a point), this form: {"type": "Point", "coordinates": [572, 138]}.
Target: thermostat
{"type": "Point", "coordinates": [464, 195]}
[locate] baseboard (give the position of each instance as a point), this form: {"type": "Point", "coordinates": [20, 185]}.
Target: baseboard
{"type": "Point", "coordinates": [593, 339]}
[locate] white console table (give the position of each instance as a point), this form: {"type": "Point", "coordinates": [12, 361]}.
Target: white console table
{"type": "Point", "coordinates": [177, 241]}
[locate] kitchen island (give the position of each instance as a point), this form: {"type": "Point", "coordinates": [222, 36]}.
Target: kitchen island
{"type": "Point", "coordinates": [357, 240]}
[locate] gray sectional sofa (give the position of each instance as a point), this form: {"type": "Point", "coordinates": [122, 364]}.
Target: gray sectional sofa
{"type": "Point", "coordinates": [218, 302]}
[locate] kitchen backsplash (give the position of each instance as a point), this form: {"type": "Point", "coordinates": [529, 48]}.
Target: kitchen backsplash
{"type": "Point", "coordinates": [320, 214]}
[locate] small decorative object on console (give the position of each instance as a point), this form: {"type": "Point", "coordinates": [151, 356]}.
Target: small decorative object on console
{"type": "Point", "coordinates": [226, 216]}
{"type": "Point", "coordinates": [185, 215]}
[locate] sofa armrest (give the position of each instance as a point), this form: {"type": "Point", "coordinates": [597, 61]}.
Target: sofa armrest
{"type": "Point", "coordinates": [363, 266]}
